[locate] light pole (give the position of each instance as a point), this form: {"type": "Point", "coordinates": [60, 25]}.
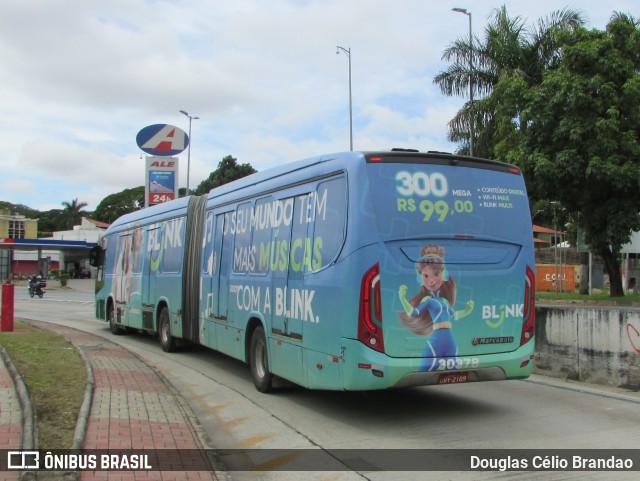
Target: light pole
{"type": "Point", "coordinates": [468, 13]}
{"type": "Point", "coordinates": [347, 51]}
{"type": "Point", "coordinates": [188, 148]}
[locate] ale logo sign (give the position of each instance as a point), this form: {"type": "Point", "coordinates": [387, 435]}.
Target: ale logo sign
{"type": "Point", "coordinates": [162, 140]}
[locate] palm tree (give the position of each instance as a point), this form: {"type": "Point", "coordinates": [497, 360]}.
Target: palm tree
{"type": "Point", "coordinates": [73, 212]}
{"type": "Point", "coordinates": [508, 48]}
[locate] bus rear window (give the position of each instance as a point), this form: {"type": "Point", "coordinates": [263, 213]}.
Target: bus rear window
{"type": "Point", "coordinates": [425, 200]}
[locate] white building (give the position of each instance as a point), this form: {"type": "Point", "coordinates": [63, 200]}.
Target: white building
{"type": "Point", "coordinates": [89, 231]}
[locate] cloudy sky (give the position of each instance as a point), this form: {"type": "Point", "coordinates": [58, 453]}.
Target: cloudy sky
{"type": "Point", "coordinates": [80, 78]}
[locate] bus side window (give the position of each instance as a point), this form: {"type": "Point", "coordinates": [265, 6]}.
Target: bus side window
{"type": "Point", "coordinates": [173, 249]}
{"type": "Point", "coordinates": [242, 241]}
{"type": "Point", "coordinates": [137, 250]}
{"type": "Point", "coordinates": [300, 259]}
{"type": "Point", "coordinates": [112, 248]}
{"type": "Point", "coordinates": [330, 216]}
{"type": "Point", "coordinates": [261, 236]}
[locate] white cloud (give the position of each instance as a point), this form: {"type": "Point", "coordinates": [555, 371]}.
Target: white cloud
{"type": "Point", "coordinates": [19, 186]}
{"type": "Point", "coordinates": [79, 79]}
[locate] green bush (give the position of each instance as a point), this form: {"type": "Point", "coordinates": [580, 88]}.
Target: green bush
{"type": "Point", "coordinates": [64, 277]}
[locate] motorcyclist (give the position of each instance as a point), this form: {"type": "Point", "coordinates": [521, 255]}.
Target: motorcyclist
{"type": "Point", "coordinates": [35, 285]}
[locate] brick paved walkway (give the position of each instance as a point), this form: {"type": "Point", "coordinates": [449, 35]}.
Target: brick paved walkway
{"type": "Point", "coordinates": [10, 417]}
{"type": "Point", "coordinates": [132, 407]}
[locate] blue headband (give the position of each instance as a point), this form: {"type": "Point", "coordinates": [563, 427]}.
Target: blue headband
{"type": "Point", "coordinates": [431, 256]}
{"type": "Point", "coordinates": [445, 274]}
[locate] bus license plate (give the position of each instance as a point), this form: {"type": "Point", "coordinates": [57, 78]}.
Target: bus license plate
{"type": "Point", "coordinates": [453, 377]}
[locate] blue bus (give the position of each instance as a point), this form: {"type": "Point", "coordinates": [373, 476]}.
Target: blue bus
{"type": "Point", "coordinates": [349, 271]}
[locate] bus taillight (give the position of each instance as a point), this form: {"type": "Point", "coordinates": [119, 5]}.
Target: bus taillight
{"type": "Point", "coordinates": [529, 318]}
{"type": "Point", "coordinates": [370, 316]}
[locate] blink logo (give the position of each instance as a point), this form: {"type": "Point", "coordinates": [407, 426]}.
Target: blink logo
{"type": "Point", "coordinates": [23, 460]}
{"type": "Point", "coordinates": [495, 316]}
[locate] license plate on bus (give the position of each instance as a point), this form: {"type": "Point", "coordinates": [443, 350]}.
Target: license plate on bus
{"type": "Point", "coordinates": [453, 377]}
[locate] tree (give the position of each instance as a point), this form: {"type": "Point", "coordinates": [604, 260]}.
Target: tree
{"type": "Point", "coordinates": [581, 136]}
{"type": "Point", "coordinates": [115, 205]}
{"type": "Point", "coordinates": [507, 49]}
{"type": "Point", "coordinates": [73, 212]}
{"type": "Point", "coordinates": [50, 221]}
{"type": "Point", "coordinates": [228, 170]}
{"type": "Point", "coordinates": [19, 209]}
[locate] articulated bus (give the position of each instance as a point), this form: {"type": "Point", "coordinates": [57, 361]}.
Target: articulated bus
{"type": "Point", "coordinates": [350, 271]}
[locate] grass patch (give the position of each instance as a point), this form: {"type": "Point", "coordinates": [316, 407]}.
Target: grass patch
{"type": "Point", "coordinates": [574, 296]}
{"type": "Point", "coordinates": [55, 376]}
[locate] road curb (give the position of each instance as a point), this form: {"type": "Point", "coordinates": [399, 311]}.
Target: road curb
{"type": "Point", "coordinates": [28, 435]}
{"type": "Point", "coordinates": [85, 408]}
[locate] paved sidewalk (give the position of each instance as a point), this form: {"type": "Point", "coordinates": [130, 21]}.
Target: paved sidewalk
{"type": "Point", "coordinates": [10, 416]}
{"type": "Point", "coordinates": [130, 406]}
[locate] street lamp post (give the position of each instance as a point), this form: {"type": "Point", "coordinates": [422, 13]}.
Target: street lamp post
{"type": "Point", "coordinates": [188, 148]}
{"type": "Point", "coordinates": [347, 51]}
{"type": "Point", "coordinates": [468, 13]}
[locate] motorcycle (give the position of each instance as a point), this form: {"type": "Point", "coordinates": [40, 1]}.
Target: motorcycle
{"type": "Point", "coordinates": [36, 287]}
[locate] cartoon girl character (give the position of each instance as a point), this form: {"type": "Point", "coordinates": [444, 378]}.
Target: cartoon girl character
{"type": "Point", "coordinates": [430, 312]}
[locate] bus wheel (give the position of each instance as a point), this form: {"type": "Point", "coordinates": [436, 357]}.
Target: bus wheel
{"type": "Point", "coordinates": [259, 361]}
{"type": "Point", "coordinates": [167, 342]}
{"type": "Point", "coordinates": [111, 317]}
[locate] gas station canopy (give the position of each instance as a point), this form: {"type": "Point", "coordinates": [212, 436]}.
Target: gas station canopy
{"type": "Point", "coordinates": [72, 249]}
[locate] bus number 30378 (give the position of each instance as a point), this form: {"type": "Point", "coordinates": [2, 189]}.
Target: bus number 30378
{"type": "Point", "coordinates": [457, 363]}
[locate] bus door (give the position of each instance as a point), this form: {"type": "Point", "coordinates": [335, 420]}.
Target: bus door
{"type": "Point", "coordinates": [287, 291]}
{"type": "Point", "coordinates": [150, 267]}
{"type": "Point", "coordinates": [209, 279]}
{"type": "Point", "coordinates": [121, 284]}
{"type": "Point", "coordinates": [227, 334]}
{"type": "Point", "coordinates": [133, 279]}
{"type": "Point", "coordinates": [110, 259]}
{"type": "Point", "coordinates": [222, 251]}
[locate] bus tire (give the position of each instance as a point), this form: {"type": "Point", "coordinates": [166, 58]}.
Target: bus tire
{"type": "Point", "coordinates": [111, 317]}
{"type": "Point", "coordinates": [167, 342]}
{"type": "Point", "coordinates": [259, 361]}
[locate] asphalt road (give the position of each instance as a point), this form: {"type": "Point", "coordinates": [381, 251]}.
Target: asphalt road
{"type": "Point", "coordinates": [536, 414]}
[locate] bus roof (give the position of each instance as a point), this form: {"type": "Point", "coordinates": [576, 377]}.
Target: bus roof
{"type": "Point", "coordinates": [162, 210]}
{"type": "Point", "coordinates": [334, 161]}
{"type": "Point", "coordinates": [345, 159]}
{"type": "Point", "coordinates": [274, 172]}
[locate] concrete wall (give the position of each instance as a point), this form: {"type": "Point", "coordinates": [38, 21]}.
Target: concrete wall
{"type": "Point", "coordinates": [589, 343]}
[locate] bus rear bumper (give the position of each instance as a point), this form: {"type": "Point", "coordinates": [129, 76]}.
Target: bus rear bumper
{"type": "Point", "coordinates": [366, 369]}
